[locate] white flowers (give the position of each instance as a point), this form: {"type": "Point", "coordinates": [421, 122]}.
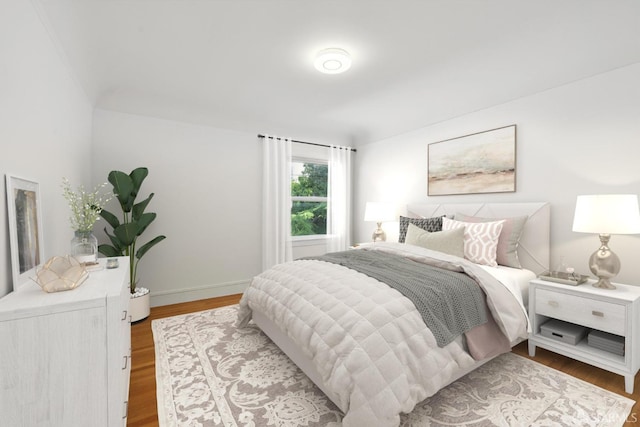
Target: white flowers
{"type": "Point", "coordinates": [85, 207]}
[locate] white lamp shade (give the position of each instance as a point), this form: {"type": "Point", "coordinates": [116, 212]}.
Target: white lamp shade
{"type": "Point", "coordinates": [379, 212]}
{"type": "Point", "coordinates": [607, 214]}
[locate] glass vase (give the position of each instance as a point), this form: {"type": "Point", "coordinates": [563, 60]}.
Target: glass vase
{"type": "Point", "coordinates": [84, 247]}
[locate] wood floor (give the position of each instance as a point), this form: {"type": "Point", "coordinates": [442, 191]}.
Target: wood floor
{"type": "Point", "coordinates": [142, 396]}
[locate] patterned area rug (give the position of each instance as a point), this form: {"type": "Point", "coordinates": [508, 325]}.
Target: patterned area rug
{"type": "Point", "coordinates": [211, 374]}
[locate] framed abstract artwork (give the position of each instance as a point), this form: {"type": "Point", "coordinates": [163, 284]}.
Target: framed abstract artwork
{"type": "Point", "coordinates": [483, 162]}
{"type": "Point", "coordinates": [25, 228]}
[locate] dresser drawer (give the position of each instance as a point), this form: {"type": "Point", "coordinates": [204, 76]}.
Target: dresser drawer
{"type": "Point", "coordinates": [592, 313]}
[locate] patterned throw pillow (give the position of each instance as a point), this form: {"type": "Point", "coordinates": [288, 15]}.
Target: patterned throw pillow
{"type": "Point", "coordinates": [480, 239]}
{"type": "Point", "coordinates": [449, 242]}
{"type": "Point", "coordinates": [427, 224]}
{"type": "Point", "coordinates": [507, 252]}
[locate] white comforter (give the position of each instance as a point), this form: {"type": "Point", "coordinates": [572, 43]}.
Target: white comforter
{"type": "Point", "coordinates": [368, 342]}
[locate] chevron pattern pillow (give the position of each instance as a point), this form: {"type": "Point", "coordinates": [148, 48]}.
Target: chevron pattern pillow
{"type": "Point", "coordinates": [480, 239]}
{"type": "Point", "coordinates": [427, 224]}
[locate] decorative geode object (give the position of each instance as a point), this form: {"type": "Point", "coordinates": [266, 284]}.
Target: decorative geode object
{"type": "Point", "coordinates": [61, 274]}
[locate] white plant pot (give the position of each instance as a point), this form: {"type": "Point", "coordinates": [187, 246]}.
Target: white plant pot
{"type": "Point", "coordinates": [139, 307]}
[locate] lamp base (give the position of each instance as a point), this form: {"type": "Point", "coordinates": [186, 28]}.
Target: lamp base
{"type": "Point", "coordinates": [603, 284]}
{"type": "Point", "coordinates": [379, 235]}
{"type": "Point", "coordinates": [604, 264]}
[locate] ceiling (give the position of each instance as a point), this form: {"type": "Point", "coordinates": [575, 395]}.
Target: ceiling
{"type": "Point", "coordinates": [248, 65]}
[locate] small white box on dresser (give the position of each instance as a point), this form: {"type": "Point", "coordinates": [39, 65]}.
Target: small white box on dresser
{"type": "Point", "coordinates": [65, 356]}
{"type": "Point", "coordinates": [614, 311]}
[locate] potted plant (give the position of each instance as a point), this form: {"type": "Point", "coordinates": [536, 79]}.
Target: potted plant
{"type": "Point", "coordinates": [125, 233]}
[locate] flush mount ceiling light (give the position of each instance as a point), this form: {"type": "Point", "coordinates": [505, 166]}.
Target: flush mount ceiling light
{"type": "Point", "coordinates": [332, 61]}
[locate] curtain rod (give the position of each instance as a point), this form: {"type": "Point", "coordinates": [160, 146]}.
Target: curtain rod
{"type": "Point", "coordinates": [305, 142]}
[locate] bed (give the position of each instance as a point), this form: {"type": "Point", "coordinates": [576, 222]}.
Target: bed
{"type": "Point", "coordinates": [374, 370]}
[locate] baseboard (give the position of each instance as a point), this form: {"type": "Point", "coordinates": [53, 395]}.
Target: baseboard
{"type": "Point", "coordinates": [197, 293]}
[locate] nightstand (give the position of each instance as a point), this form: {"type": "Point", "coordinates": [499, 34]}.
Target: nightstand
{"type": "Point", "coordinates": [615, 311]}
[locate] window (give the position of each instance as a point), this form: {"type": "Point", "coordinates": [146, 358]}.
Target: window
{"type": "Point", "coordinates": [309, 182]}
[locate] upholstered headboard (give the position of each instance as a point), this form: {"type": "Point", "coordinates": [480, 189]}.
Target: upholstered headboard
{"type": "Point", "coordinates": [534, 248]}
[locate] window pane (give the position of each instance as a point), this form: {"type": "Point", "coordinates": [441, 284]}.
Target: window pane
{"type": "Point", "coordinates": [309, 179]}
{"type": "Point", "coordinates": [308, 218]}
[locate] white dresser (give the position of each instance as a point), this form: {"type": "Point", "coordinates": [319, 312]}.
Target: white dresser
{"type": "Point", "coordinates": [65, 356]}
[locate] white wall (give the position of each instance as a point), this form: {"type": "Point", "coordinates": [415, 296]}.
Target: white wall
{"type": "Point", "coordinates": [45, 125]}
{"type": "Point", "coordinates": [207, 185]}
{"type": "Point", "coordinates": [581, 138]}
{"type": "Point", "coordinates": [208, 196]}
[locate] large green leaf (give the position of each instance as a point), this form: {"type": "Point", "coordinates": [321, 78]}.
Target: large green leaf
{"type": "Point", "coordinates": [111, 219]}
{"type": "Point", "coordinates": [122, 189]}
{"type": "Point", "coordinates": [108, 251]}
{"type": "Point", "coordinates": [144, 221]}
{"type": "Point", "coordinates": [138, 208]}
{"type": "Point", "coordinates": [117, 244]}
{"type": "Point", "coordinates": [137, 177]}
{"type": "Point", "coordinates": [144, 248]}
{"type": "Point", "coordinates": [127, 233]}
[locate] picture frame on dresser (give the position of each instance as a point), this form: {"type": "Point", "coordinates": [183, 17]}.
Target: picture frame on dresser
{"type": "Point", "coordinates": [24, 213]}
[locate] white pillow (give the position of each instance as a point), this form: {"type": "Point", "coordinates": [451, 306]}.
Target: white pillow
{"type": "Point", "coordinates": [480, 239]}
{"type": "Point", "coordinates": [450, 242]}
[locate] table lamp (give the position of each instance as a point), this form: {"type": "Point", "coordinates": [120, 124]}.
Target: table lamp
{"type": "Point", "coordinates": [606, 215]}
{"type": "Point", "coordinates": [379, 212]}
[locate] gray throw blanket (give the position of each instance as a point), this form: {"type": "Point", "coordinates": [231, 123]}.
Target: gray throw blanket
{"type": "Point", "coordinates": [450, 303]}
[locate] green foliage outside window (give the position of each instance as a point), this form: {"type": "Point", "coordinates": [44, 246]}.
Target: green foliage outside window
{"type": "Point", "coordinates": [309, 217]}
{"type": "Point", "coordinates": [312, 181]}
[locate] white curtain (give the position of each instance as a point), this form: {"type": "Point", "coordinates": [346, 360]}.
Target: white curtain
{"type": "Point", "coordinates": [276, 202]}
{"type": "Point", "coordinates": [339, 206]}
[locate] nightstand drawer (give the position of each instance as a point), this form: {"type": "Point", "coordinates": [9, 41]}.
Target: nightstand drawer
{"type": "Point", "coordinates": [605, 316]}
